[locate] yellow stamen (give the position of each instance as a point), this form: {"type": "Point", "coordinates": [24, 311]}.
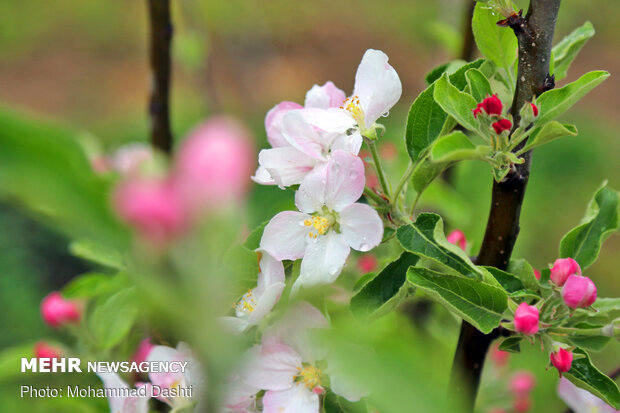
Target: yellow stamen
{"type": "Point", "coordinates": [352, 105]}
{"type": "Point", "coordinates": [246, 305]}
{"type": "Point", "coordinates": [319, 224]}
{"type": "Point", "coordinates": [309, 376]}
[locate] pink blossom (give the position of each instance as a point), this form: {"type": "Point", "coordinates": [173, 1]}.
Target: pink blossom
{"type": "Point", "coordinates": [143, 350]}
{"type": "Point", "coordinates": [129, 158]}
{"type": "Point", "coordinates": [152, 206]}
{"type": "Point", "coordinates": [491, 105]}
{"type": "Point", "coordinates": [580, 400]}
{"type": "Point", "coordinates": [214, 163]}
{"type": "Point", "coordinates": [562, 360]}
{"type": "Point", "coordinates": [526, 319]}
{"type": "Point", "coordinates": [522, 404]}
{"type": "Point", "coordinates": [57, 311]}
{"type": "Point", "coordinates": [44, 350]}
{"type": "Point", "coordinates": [537, 274]}
{"type": "Point", "coordinates": [120, 403]}
{"type": "Point", "coordinates": [562, 269]}
{"type": "Point", "coordinates": [324, 97]}
{"type": "Point", "coordinates": [329, 224]}
{"type": "Point", "coordinates": [255, 304]}
{"type": "Point", "coordinates": [367, 263]}
{"type": "Point", "coordinates": [457, 237]}
{"type": "Point", "coordinates": [499, 357]}
{"type": "Point", "coordinates": [522, 383]}
{"type": "Point", "coordinates": [579, 292]}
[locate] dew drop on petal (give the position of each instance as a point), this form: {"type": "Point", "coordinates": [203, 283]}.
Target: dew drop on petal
{"type": "Point", "coordinates": [353, 175]}
{"type": "Point", "coordinates": [364, 247]}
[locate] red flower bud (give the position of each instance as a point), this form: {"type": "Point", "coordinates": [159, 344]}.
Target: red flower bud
{"type": "Point", "coordinates": [562, 269]}
{"type": "Point", "coordinates": [502, 125]}
{"type": "Point", "coordinates": [499, 357]}
{"type": "Point", "coordinates": [522, 383]}
{"type": "Point", "coordinates": [457, 237]}
{"type": "Point", "coordinates": [522, 405]}
{"type": "Point", "coordinates": [42, 350]}
{"type": "Point", "coordinates": [579, 292]}
{"type": "Point", "coordinates": [561, 360]}
{"type": "Point", "coordinates": [491, 105]}
{"type": "Point", "coordinates": [367, 263]}
{"type": "Point", "coordinates": [537, 274]}
{"type": "Point", "coordinates": [526, 319]}
{"type": "Point", "coordinates": [56, 311]}
{"type": "Point", "coordinates": [534, 109]}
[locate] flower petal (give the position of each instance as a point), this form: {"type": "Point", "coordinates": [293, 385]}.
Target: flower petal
{"type": "Point", "coordinates": [345, 180]}
{"type": "Point", "coordinates": [266, 302]}
{"type": "Point", "coordinates": [271, 272]}
{"type": "Point", "coordinates": [348, 143]}
{"type": "Point", "coordinates": [273, 122]}
{"type": "Point", "coordinates": [333, 120]}
{"type": "Point", "coordinates": [285, 236]}
{"type": "Point", "coordinates": [342, 386]}
{"type": "Point", "coordinates": [310, 197]}
{"type": "Point", "coordinates": [377, 85]}
{"type": "Point", "coordinates": [234, 325]}
{"type": "Point", "coordinates": [323, 260]}
{"type": "Point", "coordinates": [272, 366]}
{"type": "Point", "coordinates": [324, 97]}
{"type": "Point", "coordinates": [113, 381]}
{"type": "Point", "coordinates": [361, 227]}
{"type": "Point", "coordinates": [297, 399]}
{"type": "Point", "coordinates": [300, 134]}
{"type": "Point", "coordinates": [263, 177]}
{"type": "Point", "coordinates": [286, 165]}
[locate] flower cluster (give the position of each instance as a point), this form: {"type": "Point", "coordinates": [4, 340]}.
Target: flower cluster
{"type": "Point", "coordinates": [492, 107]}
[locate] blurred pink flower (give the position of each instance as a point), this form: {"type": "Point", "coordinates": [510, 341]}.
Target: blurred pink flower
{"type": "Point", "coordinates": [143, 350]}
{"type": "Point", "coordinates": [129, 157]}
{"type": "Point", "coordinates": [44, 350]}
{"type": "Point", "coordinates": [457, 237]}
{"type": "Point", "coordinates": [499, 357]}
{"type": "Point", "coordinates": [367, 263]}
{"type": "Point", "coordinates": [522, 383]}
{"type": "Point", "coordinates": [580, 400]}
{"type": "Point", "coordinates": [57, 311]}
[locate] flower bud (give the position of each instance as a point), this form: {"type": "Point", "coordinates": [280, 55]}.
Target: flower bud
{"type": "Point", "coordinates": [526, 319]}
{"type": "Point", "coordinates": [367, 263]}
{"type": "Point", "coordinates": [522, 383]}
{"type": "Point", "coordinates": [42, 350]}
{"type": "Point", "coordinates": [528, 114]}
{"type": "Point", "coordinates": [56, 311]}
{"type": "Point", "coordinates": [562, 269]}
{"type": "Point", "coordinates": [499, 357]}
{"type": "Point", "coordinates": [457, 237]}
{"type": "Point", "coordinates": [143, 351]}
{"type": "Point", "coordinates": [502, 125]}
{"type": "Point", "coordinates": [534, 109]}
{"type": "Point", "coordinates": [521, 405]}
{"type": "Point", "coordinates": [492, 105]}
{"type": "Point", "coordinates": [129, 158]}
{"type": "Point", "coordinates": [579, 292]}
{"type": "Point", "coordinates": [152, 206]}
{"type": "Point", "coordinates": [562, 360]}
{"type": "Point", "coordinates": [214, 164]}
{"type": "Point", "coordinates": [537, 274]}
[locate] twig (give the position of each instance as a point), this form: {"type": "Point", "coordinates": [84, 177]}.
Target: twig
{"type": "Point", "coordinates": [535, 42]}
{"type": "Point", "coordinates": [160, 40]}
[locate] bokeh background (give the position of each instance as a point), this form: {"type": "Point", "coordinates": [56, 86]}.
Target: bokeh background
{"type": "Point", "coordinates": [84, 64]}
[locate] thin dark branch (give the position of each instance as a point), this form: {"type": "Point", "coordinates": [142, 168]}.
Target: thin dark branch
{"type": "Point", "coordinates": [159, 106]}
{"type": "Point", "coordinates": [535, 34]}
{"type": "Point", "coordinates": [469, 45]}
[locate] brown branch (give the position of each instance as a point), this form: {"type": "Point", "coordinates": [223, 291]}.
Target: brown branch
{"type": "Point", "coordinates": [160, 40]}
{"type": "Point", "coordinates": [534, 34]}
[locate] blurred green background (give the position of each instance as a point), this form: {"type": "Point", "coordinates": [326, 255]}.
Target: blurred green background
{"type": "Point", "coordinates": [84, 64]}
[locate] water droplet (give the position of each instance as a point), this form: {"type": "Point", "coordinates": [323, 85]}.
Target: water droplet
{"type": "Point", "coordinates": [364, 247]}
{"type": "Point", "coordinates": [386, 114]}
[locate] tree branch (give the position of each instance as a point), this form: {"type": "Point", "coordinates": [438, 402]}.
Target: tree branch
{"type": "Point", "coordinates": [160, 40]}
{"type": "Point", "coordinates": [535, 35]}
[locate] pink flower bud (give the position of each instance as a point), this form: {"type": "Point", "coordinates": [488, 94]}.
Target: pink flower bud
{"type": "Point", "coordinates": [367, 263]}
{"type": "Point", "coordinates": [579, 292]}
{"type": "Point", "coordinates": [499, 357]}
{"type": "Point", "coordinates": [215, 162]}
{"type": "Point", "coordinates": [537, 274]}
{"type": "Point", "coordinates": [502, 125]}
{"type": "Point", "coordinates": [492, 105]}
{"type": "Point", "coordinates": [561, 360]}
{"type": "Point", "coordinates": [42, 350]}
{"type": "Point", "coordinates": [534, 109]}
{"type": "Point", "coordinates": [273, 122]}
{"type": "Point", "coordinates": [143, 350]}
{"type": "Point", "coordinates": [526, 319]}
{"type": "Point", "coordinates": [152, 206]}
{"type": "Point", "coordinates": [522, 383]}
{"type": "Point", "coordinates": [457, 237]}
{"type": "Point", "coordinates": [56, 311]}
{"type": "Point", "coordinates": [562, 269]}
{"type": "Point", "coordinates": [522, 405]}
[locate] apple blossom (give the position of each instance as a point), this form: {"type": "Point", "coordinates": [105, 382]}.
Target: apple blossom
{"type": "Point", "coordinates": [526, 319]}
{"type": "Point", "coordinates": [580, 400]}
{"type": "Point", "coordinates": [367, 263]}
{"type": "Point", "coordinates": [522, 383]}
{"type": "Point", "coordinates": [522, 405]}
{"type": "Point", "coordinates": [214, 163]}
{"type": "Point", "coordinates": [491, 105]}
{"type": "Point", "coordinates": [578, 292]}
{"type": "Point", "coordinates": [257, 302]}
{"type": "Point", "coordinates": [562, 269]}
{"type": "Point", "coordinates": [119, 403]}
{"type": "Point", "coordinates": [457, 237]}
{"type": "Point", "coordinates": [329, 224]}
{"type": "Point", "coordinates": [501, 125]}
{"type": "Point", "coordinates": [499, 357]}
{"type": "Point", "coordinates": [562, 360]}
{"type": "Point", "coordinates": [57, 311]}
{"type": "Point", "coordinates": [44, 350]}
{"type": "Point", "coordinates": [130, 157]}
{"type": "Point", "coordinates": [537, 274]}
{"type": "Point", "coordinates": [143, 350]}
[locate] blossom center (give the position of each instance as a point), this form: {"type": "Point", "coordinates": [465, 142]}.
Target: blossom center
{"type": "Point", "coordinates": [246, 305]}
{"type": "Point", "coordinates": [319, 225]}
{"type": "Point", "coordinates": [310, 376]}
{"type": "Point", "coordinates": [352, 105]}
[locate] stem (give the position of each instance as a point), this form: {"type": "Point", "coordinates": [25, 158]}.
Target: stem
{"type": "Point", "coordinates": [375, 159]}
{"type": "Point", "coordinates": [403, 181]}
{"type": "Point", "coordinates": [534, 36]}
{"type": "Point", "coordinates": [160, 40]}
{"type": "Point", "coordinates": [368, 192]}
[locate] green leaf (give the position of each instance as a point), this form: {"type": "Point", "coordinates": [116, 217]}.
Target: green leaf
{"type": "Point", "coordinates": [112, 320]}
{"type": "Point", "coordinates": [605, 305]}
{"type": "Point", "coordinates": [583, 374]}
{"type": "Point", "coordinates": [522, 269]}
{"type": "Point", "coordinates": [511, 344]}
{"type": "Point", "coordinates": [252, 242]}
{"type": "Point", "coordinates": [592, 343]}
{"type": "Point", "coordinates": [332, 403]}
{"type": "Point", "coordinates": [583, 243]}
{"type": "Point", "coordinates": [426, 119]}
{"type": "Point", "coordinates": [498, 44]}
{"type": "Point", "coordinates": [479, 85]}
{"type": "Point", "coordinates": [553, 103]}
{"type": "Point", "coordinates": [98, 253]}
{"type": "Point", "coordinates": [547, 133]}
{"type": "Point", "coordinates": [566, 50]}
{"type": "Point", "coordinates": [455, 103]}
{"type": "Point", "coordinates": [385, 291]}
{"type": "Point", "coordinates": [510, 282]}
{"type": "Point", "coordinates": [426, 173]}
{"type": "Point", "coordinates": [425, 238]}
{"type": "Point", "coordinates": [480, 304]}
{"type": "Point", "coordinates": [457, 147]}
{"type": "Point", "coordinates": [87, 285]}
